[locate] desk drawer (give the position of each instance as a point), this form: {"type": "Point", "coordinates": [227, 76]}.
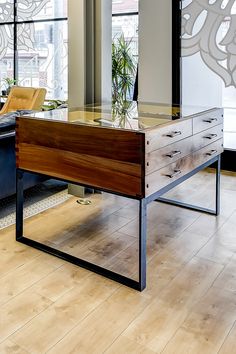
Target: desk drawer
{"type": "Point", "coordinates": [207, 120]}
{"type": "Point", "coordinates": [163, 177]}
{"type": "Point", "coordinates": [157, 159]}
{"type": "Point", "coordinates": [207, 137]}
{"type": "Point", "coordinates": [208, 152]}
{"type": "Point", "coordinates": [168, 134]}
{"type": "Point", "coordinates": [160, 158]}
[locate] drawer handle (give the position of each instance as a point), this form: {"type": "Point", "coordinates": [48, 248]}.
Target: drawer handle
{"type": "Point", "coordinates": [210, 136]}
{"type": "Point", "coordinates": [173, 153]}
{"type": "Point", "coordinates": [210, 120]}
{"type": "Point", "coordinates": [172, 135]}
{"type": "Point", "coordinates": [211, 153]}
{"type": "Point", "coordinates": [174, 174]}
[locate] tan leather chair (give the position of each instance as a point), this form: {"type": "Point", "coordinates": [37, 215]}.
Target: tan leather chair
{"type": "Point", "coordinates": [24, 98]}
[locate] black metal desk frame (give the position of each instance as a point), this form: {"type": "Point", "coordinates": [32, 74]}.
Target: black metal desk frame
{"type": "Point", "coordinates": [141, 283]}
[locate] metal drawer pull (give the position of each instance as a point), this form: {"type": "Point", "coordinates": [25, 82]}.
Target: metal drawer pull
{"type": "Point", "coordinates": [174, 174]}
{"type": "Point", "coordinates": [173, 153]}
{"type": "Point", "coordinates": [210, 136]}
{"type": "Point", "coordinates": [210, 120]}
{"type": "Point", "coordinates": [212, 152]}
{"type": "Point", "coordinates": [172, 135]}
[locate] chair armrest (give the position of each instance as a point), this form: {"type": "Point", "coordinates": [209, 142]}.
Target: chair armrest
{"type": "Point", "coordinates": [9, 134]}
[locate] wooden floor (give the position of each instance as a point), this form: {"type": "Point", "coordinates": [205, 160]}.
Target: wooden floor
{"type": "Point", "coordinates": [189, 306]}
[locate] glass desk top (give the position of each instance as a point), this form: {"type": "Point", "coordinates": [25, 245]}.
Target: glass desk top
{"type": "Point", "coordinates": [129, 116]}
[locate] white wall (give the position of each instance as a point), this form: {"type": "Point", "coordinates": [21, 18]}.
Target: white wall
{"type": "Point", "coordinates": [76, 52]}
{"type": "Point", "coordinates": [200, 86]}
{"type": "Point", "coordinates": [103, 47]}
{"type": "Point", "coordinates": [155, 51]}
{"type": "Point", "coordinates": [89, 54]}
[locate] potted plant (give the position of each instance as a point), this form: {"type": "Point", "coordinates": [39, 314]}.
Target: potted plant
{"type": "Point", "coordinates": [123, 69]}
{"type": "Point", "coordinates": [9, 82]}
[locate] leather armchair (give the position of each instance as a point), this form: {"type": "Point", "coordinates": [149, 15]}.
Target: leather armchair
{"type": "Point", "coordinates": [25, 98]}
{"type": "Point", "coordinates": [20, 98]}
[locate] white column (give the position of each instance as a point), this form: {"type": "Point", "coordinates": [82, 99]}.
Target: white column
{"type": "Point", "coordinates": [103, 45]}
{"type": "Point", "coordinates": [155, 51]}
{"type": "Point", "coordinates": [76, 64]}
{"type": "Point", "coordinates": [76, 52]}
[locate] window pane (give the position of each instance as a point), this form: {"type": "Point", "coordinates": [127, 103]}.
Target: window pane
{"type": "Point", "coordinates": [42, 57]}
{"type": "Point", "coordinates": [127, 26]}
{"type": "Point", "coordinates": [124, 6]}
{"type": "Point", "coordinates": [6, 11]}
{"type": "Point", "coordinates": [6, 53]}
{"type": "Point", "coordinates": [41, 9]}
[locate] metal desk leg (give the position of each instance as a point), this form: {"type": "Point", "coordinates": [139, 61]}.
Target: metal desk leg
{"type": "Point", "coordinates": [218, 186]}
{"type": "Point", "coordinates": [19, 204]}
{"type": "Point", "coordinates": [215, 211]}
{"type": "Point", "coordinates": [142, 243]}
{"type": "Point", "coordinates": [139, 284]}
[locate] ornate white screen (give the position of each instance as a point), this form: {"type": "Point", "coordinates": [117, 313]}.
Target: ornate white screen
{"type": "Point", "coordinates": [209, 28]}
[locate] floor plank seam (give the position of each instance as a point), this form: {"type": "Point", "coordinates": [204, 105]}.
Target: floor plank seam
{"type": "Point", "coordinates": [19, 266]}
{"type": "Point", "coordinates": [141, 311]}
{"type": "Point", "coordinates": [225, 339]}
{"type": "Point", "coordinates": [26, 289]}
{"type": "Point", "coordinates": [25, 324]}
{"type": "Point", "coordinates": [83, 319]}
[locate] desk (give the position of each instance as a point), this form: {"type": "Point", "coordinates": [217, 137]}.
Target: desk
{"type": "Point", "coordinates": [140, 154]}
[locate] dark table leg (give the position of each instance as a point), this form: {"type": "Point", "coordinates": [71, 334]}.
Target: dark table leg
{"type": "Point", "coordinates": [137, 285]}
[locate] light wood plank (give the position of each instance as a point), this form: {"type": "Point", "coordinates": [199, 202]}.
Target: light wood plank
{"type": "Point", "coordinates": [127, 346]}
{"type": "Point", "coordinates": [160, 320]}
{"type": "Point", "coordinates": [60, 318]}
{"type": "Point", "coordinates": [229, 344]}
{"type": "Point", "coordinates": [59, 282]}
{"type": "Point", "coordinates": [104, 325]}
{"type": "Point", "coordinates": [207, 326]}
{"type": "Point", "coordinates": [8, 347]}
{"type": "Point", "coordinates": [18, 280]}
{"type": "Point", "coordinates": [227, 278]}
{"type": "Point", "coordinates": [21, 309]}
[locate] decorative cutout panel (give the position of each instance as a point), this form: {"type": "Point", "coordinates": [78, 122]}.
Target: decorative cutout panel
{"type": "Point", "coordinates": [6, 11]}
{"type": "Point", "coordinates": [209, 28]}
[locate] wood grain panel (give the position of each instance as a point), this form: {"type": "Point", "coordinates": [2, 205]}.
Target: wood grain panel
{"type": "Point", "coordinates": [207, 120]}
{"type": "Point", "coordinates": [103, 158]}
{"type": "Point", "coordinates": [116, 144]}
{"type": "Point", "coordinates": [90, 170]}
{"type": "Point", "coordinates": [161, 178]}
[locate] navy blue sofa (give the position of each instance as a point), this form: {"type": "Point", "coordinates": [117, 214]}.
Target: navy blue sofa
{"type": "Point", "coordinates": [8, 160]}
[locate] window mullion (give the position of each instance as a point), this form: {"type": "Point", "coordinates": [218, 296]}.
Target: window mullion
{"type": "Point", "coordinates": [15, 59]}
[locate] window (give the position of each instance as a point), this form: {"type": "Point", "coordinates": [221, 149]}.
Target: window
{"type": "Point", "coordinates": [33, 37]}
{"type": "Point", "coordinates": [125, 22]}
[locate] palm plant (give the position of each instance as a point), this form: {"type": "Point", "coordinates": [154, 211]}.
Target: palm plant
{"type": "Point", "coordinates": [9, 82]}
{"type": "Point", "coordinates": [123, 69]}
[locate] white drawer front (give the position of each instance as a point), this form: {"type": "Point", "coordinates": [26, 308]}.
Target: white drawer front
{"type": "Point", "coordinates": [168, 174]}
{"type": "Point", "coordinates": [157, 159]}
{"type": "Point", "coordinates": [208, 152]}
{"type": "Point", "coordinates": [207, 137]}
{"type": "Point", "coordinates": [168, 134]}
{"type": "Point", "coordinates": [207, 120]}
